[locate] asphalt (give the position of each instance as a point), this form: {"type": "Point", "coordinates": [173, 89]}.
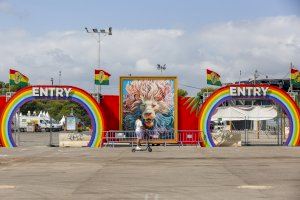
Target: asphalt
{"type": "Point", "coordinates": [166, 173]}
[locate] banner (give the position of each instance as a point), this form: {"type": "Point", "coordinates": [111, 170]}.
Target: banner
{"type": "Point", "coordinates": [101, 77]}
{"type": "Point", "coordinates": [17, 78]}
{"type": "Point", "coordinates": [295, 77]}
{"type": "Point", "coordinates": [213, 78]}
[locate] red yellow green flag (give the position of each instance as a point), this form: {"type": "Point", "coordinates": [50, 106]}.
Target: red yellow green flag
{"type": "Point", "coordinates": [295, 77]}
{"type": "Point", "coordinates": [17, 78]}
{"type": "Point", "coordinates": [101, 77]}
{"type": "Point", "coordinates": [213, 78]}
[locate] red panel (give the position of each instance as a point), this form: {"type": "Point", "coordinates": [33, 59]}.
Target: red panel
{"type": "Point", "coordinates": [186, 119]}
{"type": "Point", "coordinates": [110, 107]}
{"type": "Point", "coordinates": [2, 103]}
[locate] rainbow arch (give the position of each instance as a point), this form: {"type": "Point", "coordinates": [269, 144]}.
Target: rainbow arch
{"type": "Point", "coordinates": [77, 95]}
{"type": "Point", "coordinates": [274, 93]}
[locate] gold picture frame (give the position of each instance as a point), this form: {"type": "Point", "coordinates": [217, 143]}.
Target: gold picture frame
{"type": "Point", "coordinates": [132, 78]}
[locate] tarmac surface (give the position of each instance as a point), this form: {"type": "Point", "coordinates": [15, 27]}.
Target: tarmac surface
{"type": "Point", "coordinates": [166, 173]}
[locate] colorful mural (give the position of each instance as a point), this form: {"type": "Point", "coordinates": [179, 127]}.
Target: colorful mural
{"type": "Point", "coordinates": [155, 99]}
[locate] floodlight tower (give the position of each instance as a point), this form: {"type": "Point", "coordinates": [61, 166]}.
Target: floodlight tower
{"type": "Point", "coordinates": [161, 67]}
{"type": "Point", "coordinates": [98, 32]}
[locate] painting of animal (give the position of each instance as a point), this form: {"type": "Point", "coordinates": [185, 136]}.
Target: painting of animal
{"type": "Point", "coordinates": [153, 100]}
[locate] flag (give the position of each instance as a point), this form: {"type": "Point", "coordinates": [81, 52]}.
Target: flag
{"type": "Point", "coordinates": [17, 78]}
{"type": "Point", "coordinates": [101, 77]}
{"type": "Point", "coordinates": [213, 78]}
{"type": "Point", "coordinates": [295, 77]}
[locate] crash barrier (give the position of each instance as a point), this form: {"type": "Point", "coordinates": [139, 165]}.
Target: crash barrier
{"type": "Point", "coordinates": [185, 137]}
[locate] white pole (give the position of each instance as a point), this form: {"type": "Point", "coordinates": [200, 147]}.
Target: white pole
{"type": "Point", "coordinates": [99, 64]}
{"type": "Point", "coordinates": [291, 85]}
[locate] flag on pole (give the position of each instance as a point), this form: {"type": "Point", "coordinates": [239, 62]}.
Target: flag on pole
{"type": "Point", "coordinates": [213, 78]}
{"type": "Point", "coordinates": [295, 77]}
{"type": "Point", "coordinates": [101, 77]}
{"type": "Point", "coordinates": [17, 78]}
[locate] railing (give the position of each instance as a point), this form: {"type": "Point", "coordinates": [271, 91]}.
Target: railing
{"type": "Point", "coordinates": [179, 137]}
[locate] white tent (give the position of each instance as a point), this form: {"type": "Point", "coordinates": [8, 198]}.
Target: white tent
{"type": "Point", "coordinates": [47, 115]}
{"type": "Point", "coordinates": [236, 113]}
{"type": "Point", "coordinates": [62, 121]}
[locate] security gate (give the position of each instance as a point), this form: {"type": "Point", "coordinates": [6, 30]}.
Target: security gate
{"type": "Point", "coordinates": [269, 132]}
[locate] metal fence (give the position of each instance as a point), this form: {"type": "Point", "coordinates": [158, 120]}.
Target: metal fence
{"type": "Point", "coordinates": [251, 132]}
{"type": "Point", "coordinates": [228, 133]}
{"type": "Point", "coordinates": [179, 137]}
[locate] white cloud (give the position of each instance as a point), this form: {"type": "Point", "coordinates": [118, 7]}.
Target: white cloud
{"type": "Point", "coordinates": [267, 44]}
{"type": "Point", "coordinates": [7, 8]}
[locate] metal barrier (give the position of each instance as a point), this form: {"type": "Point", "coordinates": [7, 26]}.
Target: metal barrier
{"type": "Point", "coordinates": [189, 137]}
{"type": "Point", "coordinates": [184, 137]}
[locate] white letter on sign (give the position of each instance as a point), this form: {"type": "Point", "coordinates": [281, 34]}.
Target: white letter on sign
{"type": "Point", "coordinates": [43, 92]}
{"type": "Point", "coordinates": [59, 92]}
{"type": "Point", "coordinates": [233, 91]}
{"type": "Point", "coordinates": [67, 91]}
{"type": "Point", "coordinates": [265, 90]}
{"type": "Point", "coordinates": [35, 92]}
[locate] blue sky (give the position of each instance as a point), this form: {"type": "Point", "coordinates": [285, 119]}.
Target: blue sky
{"type": "Point", "coordinates": [42, 37]}
{"type": "Point", "coordinates": [39, 16]}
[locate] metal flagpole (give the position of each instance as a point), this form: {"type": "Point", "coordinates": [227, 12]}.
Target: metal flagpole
{"type": "Point", "coordinates": [291, 85]}
{"type": "Point", "coordinates": [99, 31]}
{"type": "Point", "coordinates": [99, 64]}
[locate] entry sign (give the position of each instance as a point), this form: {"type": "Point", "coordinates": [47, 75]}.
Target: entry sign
{"type": "Point", "coordinates": [51, 91]}
{"type": "Point", "coordinates": [248, 91]}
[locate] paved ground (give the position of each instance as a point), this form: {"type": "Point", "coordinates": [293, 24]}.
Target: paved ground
{"type": "Point", "coordinates": [166, 173]}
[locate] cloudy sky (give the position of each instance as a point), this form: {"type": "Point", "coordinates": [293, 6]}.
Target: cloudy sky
{"type": "Point", "coordinates": [40, 38]}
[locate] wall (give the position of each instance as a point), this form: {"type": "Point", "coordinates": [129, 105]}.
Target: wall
{"type": "Point", "coordinates": [186, 119]}
{"type": "Point", "coordinates": [110, 107]}
{"type": "Point", "coordinates": [2, 103]}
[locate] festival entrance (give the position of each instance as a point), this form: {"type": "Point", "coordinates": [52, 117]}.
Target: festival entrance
{"type": "Point", "coordinates": [242, 115]}
{"type": "Point", "coordinates": [12, 121]}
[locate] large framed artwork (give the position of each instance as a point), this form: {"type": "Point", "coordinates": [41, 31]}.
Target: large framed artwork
{"type": "Point", "coordinates": [154, 99]}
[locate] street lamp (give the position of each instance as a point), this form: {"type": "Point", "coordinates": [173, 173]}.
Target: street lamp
{"type": "Point", "coordinates": [51, 81]}
{"type": "Point", "coordinates": [99, 32]}
{"type": "Point", "coordinates": [59, 77]}
{"type": "Point", "coordinates": [161, 67]}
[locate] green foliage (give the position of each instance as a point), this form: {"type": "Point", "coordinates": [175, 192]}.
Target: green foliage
{"type": "Point", "coordinates": [5, 87]}
{"type": "Point", "coordinates": [206, 89]}
{"type": "Point", "coordinates": [57, 109]}
{"type": "Point", "coordinates": [182, 93]}
{"type": "Point", "coordinates": [194, 103]}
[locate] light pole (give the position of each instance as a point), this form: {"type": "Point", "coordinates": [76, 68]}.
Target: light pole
{"type": "Point", "coordinates": [161, 67]}
{"type": "Point", "coordinates": [256, 75]}
{"type": "Point", "coordinates": [51, 81]}
{"type": "Point", "coordinates": [99, 32]}
{"type": "Point", "coordinates": [59, 77]}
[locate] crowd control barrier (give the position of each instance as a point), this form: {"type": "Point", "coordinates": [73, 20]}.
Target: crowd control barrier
{"type": "Point", "coordinates": [183, 137]}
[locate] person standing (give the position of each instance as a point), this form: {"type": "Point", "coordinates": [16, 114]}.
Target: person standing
{"type": "Point", "coordinates": [138, 132]}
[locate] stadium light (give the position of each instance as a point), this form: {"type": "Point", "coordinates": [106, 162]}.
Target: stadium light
{"type": "Point", "coordinates": [99, 32]}
{"type": "Point", "coordinates": [161, 67]}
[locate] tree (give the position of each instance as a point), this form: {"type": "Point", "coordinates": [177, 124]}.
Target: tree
{"type": "Point", "coordinates": [195, 102]}
{"type": "Point", "coordinates": [206, 89]}
{"type": "Point", "coordinates": [57, 109]}
{"type": "Point", "coordinates": [182, 93]}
